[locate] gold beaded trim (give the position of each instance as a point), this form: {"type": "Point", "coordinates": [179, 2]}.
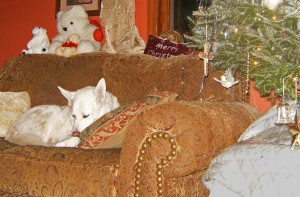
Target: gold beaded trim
{"type": "Point", "coordinates": [8, 106]}
{"type": "Point", "coordinates": [248, 74]}
{"type": "Point", "coordinates": [163, 163]}
{"type": "Point", "coordinates": [6, 122]}
{"type": "Point", "coordinates": [12, 109]}
{"type": "Point", "coordinates": [243, 87]}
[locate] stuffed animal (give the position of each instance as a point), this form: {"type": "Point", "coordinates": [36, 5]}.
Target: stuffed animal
{"type": "Point", "coordinates": [68, 48]}
{"type": "Point", "coordinates": [39, 43]}
{"type": "Point", "coordinates": [76, 21]}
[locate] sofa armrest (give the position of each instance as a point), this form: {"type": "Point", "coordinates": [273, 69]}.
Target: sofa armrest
{"type": "Point", "coordinates": [176, 139]}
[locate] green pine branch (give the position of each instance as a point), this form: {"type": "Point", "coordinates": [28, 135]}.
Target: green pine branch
{"type": "Point", "coordinates": [271, 38]}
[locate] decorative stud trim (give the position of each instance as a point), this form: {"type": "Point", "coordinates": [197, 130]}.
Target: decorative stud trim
{"type": "Point", "coordinates": [159, 167]}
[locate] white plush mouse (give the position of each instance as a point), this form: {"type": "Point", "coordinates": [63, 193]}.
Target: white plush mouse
{"type": "Point", "coordinates": [39, 43]}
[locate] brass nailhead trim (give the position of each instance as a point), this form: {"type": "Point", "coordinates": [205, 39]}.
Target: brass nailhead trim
{"type": "Point", "coordinates": [159, 166]}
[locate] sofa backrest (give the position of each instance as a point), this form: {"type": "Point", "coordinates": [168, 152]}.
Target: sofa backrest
{"type": "Point", "coordinates": [128, 76]}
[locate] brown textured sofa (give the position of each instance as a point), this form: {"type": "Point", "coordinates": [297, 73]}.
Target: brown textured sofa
{"type": "Point", "coordinates": [167, 147]}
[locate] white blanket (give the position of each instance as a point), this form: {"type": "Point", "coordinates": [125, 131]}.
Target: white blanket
{"type": "Point", "coordinates": [261, 164]}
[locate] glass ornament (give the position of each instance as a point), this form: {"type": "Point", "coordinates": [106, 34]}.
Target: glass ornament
{"type": "Point", "coordinates": [284, 114]}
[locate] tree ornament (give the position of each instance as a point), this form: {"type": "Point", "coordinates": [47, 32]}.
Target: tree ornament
{"type": "Point", "coordinates": [271, 4]}
{"type": "Point", "coordinates": [295, 131]}
{"type": "Point", "coordinates": [227, 79]}
{"type": "Point", "coordinates": [297, 91]}
{"type": "Point", "coordinates": [248, 74]}
{"type": "Point", "coordinates": [204, 3]}
{"type": "Point", "coordinates": [284, 114]}
{"type": "Point", "coordinates": [206, 56]}
{"type": "Point", "coordinates": [226, 33]}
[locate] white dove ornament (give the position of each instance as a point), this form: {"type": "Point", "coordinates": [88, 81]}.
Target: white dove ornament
{"type": "Point", "coordinates": [227, 80]}
{"type": "Point", "coordinates": [272, 4]}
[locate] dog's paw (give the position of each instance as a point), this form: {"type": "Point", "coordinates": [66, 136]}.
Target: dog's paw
{"type": "Point", "coordinates": [71, 142]}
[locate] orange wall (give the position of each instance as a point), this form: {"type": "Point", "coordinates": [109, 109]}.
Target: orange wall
{"type": "Point", "coordinates": [256, 100]}
{"type": "Point", "coordinates": [20, 16]}
{"type": "Point", "coordinates": [18, 19]}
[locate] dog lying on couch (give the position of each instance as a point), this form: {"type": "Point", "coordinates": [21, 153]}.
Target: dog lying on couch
{"type": "Point", "coordinates": [52, 125]}
{"type": "Point", "coordinates": [167, 147]}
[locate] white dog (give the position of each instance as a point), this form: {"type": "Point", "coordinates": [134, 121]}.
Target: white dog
{"type": "Point", "coordinates": [51, 125]}
{"type": "Point", "coordinates": [42, 125]}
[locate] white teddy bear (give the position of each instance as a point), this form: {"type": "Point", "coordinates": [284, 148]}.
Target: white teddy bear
{"type": "Point", "coordinates": [76, 21]}
{"type": "Point", "coordinates": [39, 43]}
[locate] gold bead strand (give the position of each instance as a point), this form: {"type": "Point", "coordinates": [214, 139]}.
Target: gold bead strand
{"type": "Point", "coordinates": [243, 84]}
{"type": "Point", "coordinates": [248, 74]}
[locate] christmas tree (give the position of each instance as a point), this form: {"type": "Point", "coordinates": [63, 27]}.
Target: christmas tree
{"type": "Point", "coordinates": [257, 37]}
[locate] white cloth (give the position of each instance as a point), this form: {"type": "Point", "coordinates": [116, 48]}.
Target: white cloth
{"type": "Point", "coordinates": [261, 164]}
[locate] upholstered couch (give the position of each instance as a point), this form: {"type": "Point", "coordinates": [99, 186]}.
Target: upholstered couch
{"type": "Point", "coordinates": [167, 147]}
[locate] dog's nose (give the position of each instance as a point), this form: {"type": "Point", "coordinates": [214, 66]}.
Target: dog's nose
{"type": "Point", "coordinates": [75, 133]}
{"type": "Point", "coordinates": [65, 29]}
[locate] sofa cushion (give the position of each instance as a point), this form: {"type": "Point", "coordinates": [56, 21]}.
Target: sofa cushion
{"type": "Point", "coordinates": [109, 130]}
{"type": "Point", "coordinates": [12, 106]}
{"type": "Point", "coordinates": [129, 77]}
{"type": "Point", "coordinates": [46, 171]}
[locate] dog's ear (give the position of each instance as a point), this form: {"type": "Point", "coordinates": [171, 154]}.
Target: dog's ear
{"type": "Point", "coordinates": [67, 94]}
{"type": "Point", "coordinates": [100, 90]}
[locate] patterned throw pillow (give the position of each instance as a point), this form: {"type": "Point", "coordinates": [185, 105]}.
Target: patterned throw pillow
{"type": "Point", "coordinates": [108, 131]}
{"type": "Point", "coordinates": [12, 106]}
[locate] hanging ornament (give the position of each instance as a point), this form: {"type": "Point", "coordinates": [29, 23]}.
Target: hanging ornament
{"type": "Point", "coordinates": [271, 4]}
{"type": "Point", "coordinates": [248, 74]}
{"type": "Point", "coordinates": [285, 114]}
{"type": "Point", "coordinates": [296, 81]}
{"type": "Point", "coordinates": [206, 56]}
{"type": "Point", "coordinates": [204, 3]}
{"type": "Point", "coordinates": [227, 79]}
{"type": "Point", "coordinates": [295, 131]}
{"type": "Point", "coordinates": [226, 34]}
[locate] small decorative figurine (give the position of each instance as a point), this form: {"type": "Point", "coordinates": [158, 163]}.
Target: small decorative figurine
{"type": "Point", "coordinates": [227, 79]}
